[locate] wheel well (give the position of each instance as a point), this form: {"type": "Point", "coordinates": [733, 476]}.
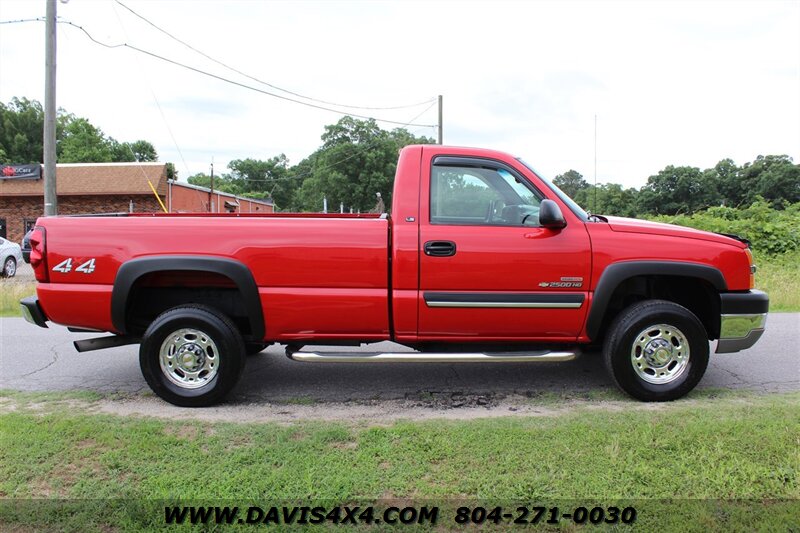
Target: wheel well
{"type": "Point", "coordinates": [697, 295]}
{"type": "Point", "coordinates": [156, 292]}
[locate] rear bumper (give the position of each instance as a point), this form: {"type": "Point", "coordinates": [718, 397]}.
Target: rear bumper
{"type": "Point", "coordinates": [743, 318]}
{"type": "Point", "coordinates": [32, 312]}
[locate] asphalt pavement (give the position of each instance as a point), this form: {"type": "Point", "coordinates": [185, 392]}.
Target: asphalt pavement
{"type": "Point", "coordinates": [37, 359]}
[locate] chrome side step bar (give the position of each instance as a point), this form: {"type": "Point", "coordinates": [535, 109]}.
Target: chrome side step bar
{"type": "Point", "coordinates": [101, 343]}
{"type": "Point", "coordinates": [418, 357]}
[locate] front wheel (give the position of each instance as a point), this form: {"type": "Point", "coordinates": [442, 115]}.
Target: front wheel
{"type": "Point", "coordinates": [656, 351]}
{"type": "Point", "coordinates": [192, 356]}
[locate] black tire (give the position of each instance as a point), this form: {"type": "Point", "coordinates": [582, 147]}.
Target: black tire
{"type": "Point", "coordinates": [254, 348]}
{"type": "Point", "coordinates": [656, 351]}
{"type": "Point", "coordinates": [202, 338]}
{"type": "Point", "coordinates": [9, 267]}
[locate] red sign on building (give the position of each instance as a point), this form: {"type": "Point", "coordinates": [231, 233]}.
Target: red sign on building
{"type": "Point", "coordinates": [26, 172]}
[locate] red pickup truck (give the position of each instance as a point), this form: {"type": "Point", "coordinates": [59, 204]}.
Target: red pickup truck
{"type": "Point", "coordinates": [482, 260]}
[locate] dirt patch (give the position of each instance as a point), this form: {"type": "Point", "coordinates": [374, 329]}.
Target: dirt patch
{"type": "Point", "coordinates": [453, 400]}
{"type": "Point", "coordinates": [8, 405]}
{"type": "Point", "coordinates": [422, 406]}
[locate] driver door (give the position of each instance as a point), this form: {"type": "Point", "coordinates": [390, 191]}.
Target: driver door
{"type": "Point", "coordinates": [487, 269]}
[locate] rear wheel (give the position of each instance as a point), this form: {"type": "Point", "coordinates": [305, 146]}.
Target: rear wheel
{"type": "Point", "coordinates": [192, 356]}
{"type": "Point", "coordinates": [656, 351]}
{"type": "Point", "coordinates": [9, 267]}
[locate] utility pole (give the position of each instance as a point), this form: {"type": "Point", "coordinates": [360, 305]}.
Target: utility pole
{"type": "Point", "coordinates": [440, 119]}
{"type": "Point", "coordinates": [49, 141]}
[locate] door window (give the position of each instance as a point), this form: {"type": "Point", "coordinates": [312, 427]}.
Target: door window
{"type": "Point", "coordinates": [482, 196]}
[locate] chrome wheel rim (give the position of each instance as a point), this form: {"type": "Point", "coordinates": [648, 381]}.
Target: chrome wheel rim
{"type": "Point", "coordinates": [189, 358]}
{"type": "Point", "coordinates": [660, 354]}
{"type": "Point", "coordinates": [11, 268]}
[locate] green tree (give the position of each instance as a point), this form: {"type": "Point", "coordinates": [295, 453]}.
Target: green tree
{"type": "Point", "coordinates": [298, 174]}
{"type": "Point", "coordinates": [608, 199]}
{"type": "Point", "coordinates": [725, 177]}
{"type": "Point", "coordinates": [774, 177]}
{"type": "Point", "coordinates": [140, 150]}
{"type": "Point", "coordinates": [21, 131]}
{"type": "Point", "coordinates": [672, 191]}
{"type": "Point", "coordinates": [264, 179]}
{"type": "Point", "coordinates": [357, 160]}
{"type": "Point", "coordinates": [83, 143]}
{"type": "Point", "coordinates": [222, 182]}
{"type": "Point", "coordinates": [77, 139]}
{"type": "Point", "coordinates": [171, 172]}
{"type": "Point", "coordinates": [570, 182]}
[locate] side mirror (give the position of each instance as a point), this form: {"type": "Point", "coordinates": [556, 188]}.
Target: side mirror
{"type": "Point", "coordinates": [550, 215]}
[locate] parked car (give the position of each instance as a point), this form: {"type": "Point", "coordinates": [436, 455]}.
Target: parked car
{"type": "Point", "coordinates": [26, 246]}
{"type": "Point", "coordinates": [11, 254]}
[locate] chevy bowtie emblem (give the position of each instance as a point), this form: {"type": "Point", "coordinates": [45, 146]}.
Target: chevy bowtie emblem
{"type": "Point", "coordinates": [567, 282]}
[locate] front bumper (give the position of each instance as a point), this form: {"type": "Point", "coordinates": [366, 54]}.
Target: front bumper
{"type": "Point", "coordinates": [743, 316]}
{"type": "Point", "coordinates": [32, 312]}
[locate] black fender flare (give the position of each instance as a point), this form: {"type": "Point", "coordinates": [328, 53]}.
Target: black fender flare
{"type": "Point", "coordinates": [130, 271]}
{"type": "Point", "coordinates": [617, 273]}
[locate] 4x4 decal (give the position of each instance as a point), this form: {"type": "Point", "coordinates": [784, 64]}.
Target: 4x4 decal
{"type": "Point", "coordinates": [65, 266]}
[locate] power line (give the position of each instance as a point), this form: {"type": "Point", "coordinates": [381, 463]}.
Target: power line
{"type": "Point", "coordinates": [155, 99]}
{"type": "Point", "coordinates": [192, 48]}
{"type": "Point", "coordinates": [365, 146]}
{"type": "Point", "coordinates": [299, 176]}
{"type": "Point", "coordinates": [233, 82]}
{"type": "Point", "coordinates": [37, 19]}
{"type": "Point", "coordinates": [359, 150]}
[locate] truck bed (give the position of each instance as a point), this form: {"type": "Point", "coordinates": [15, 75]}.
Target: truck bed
{"type": "Point", "coordinates": [316, 275]}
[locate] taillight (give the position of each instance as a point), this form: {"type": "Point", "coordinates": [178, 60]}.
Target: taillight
{"type": "Point", "coordinates": [752, 267]}
{"type": "Point", "coordinates": [38, 254]}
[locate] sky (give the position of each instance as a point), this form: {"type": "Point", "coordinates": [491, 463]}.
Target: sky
{"type": "Point", "coordinates": [665, 83]}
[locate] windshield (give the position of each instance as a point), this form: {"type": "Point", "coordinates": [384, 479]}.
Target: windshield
{"type": "Point", "coordinates": [575, 208]}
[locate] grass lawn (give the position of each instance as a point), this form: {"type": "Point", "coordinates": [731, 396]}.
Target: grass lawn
{"type": "Point", "coordinates": [779, 276]}
{"type": "Point", "coordinates": [11, 292]}
{"type": "Point", "coordinates": [671, 461]}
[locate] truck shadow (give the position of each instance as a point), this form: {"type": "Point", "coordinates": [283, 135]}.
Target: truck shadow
{"type": "Point", "coordinates": [270, 376]}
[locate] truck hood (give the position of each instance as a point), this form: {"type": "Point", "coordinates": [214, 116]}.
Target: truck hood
{"type": "Point", "coordinates": [632, 225]}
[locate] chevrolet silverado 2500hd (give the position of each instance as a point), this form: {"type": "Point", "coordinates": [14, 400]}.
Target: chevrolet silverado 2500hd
{"type": "Point", "coordinates": [481, 260]}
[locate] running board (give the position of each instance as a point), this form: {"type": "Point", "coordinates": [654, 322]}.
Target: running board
{"type": "Point", "coordinates": [417, 357]}
{"type": "Point", "coordinates": [101, 343]}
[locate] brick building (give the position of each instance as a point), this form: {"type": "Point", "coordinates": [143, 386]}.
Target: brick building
{"type": "Point", "coordinates": [111, 188]}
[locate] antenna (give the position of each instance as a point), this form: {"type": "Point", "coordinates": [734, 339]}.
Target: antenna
{"type": "Point", "coordinates": [594, 208]}
{"type": "Point", "coordinates": [211, 194]}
